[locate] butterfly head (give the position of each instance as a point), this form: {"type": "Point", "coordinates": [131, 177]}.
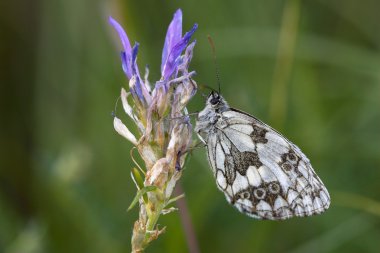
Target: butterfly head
{"type": "Point", "coordinates": [215, 106]}
{"type": "Point", "coordinates": [216, 102]}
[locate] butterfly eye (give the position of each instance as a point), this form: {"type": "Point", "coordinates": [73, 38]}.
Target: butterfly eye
{"type": "Point", "coordinates": [214, 100]}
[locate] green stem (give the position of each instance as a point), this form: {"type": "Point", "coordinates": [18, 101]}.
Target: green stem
{"type": "Point", "coordinates": [152, 220]}
{"type": "Point", "coordinates": [144, 237]}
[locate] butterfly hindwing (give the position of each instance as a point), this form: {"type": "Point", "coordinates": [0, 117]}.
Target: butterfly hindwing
{"type": "Point", "coordinates": [261, 172]}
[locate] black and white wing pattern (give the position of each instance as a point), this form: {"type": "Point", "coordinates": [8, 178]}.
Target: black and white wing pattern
{"type": "Point", "coordinates": [261, 173]}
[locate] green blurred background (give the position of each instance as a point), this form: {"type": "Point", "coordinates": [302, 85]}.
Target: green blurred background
{"type": "Point", "coordinates": [311, 69]}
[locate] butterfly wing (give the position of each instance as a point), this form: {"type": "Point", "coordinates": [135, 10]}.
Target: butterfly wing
{"type": "Point", "coordinates": [262, 173]}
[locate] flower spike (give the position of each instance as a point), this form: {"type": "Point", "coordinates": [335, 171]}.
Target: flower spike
{"type": "Point", "coordinates": [161, 141]}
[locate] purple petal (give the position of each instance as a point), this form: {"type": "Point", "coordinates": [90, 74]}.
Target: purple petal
{"type": "Point", "coordinates": [140, 87]}
{"type": "Point", "coordinates": [123, 36]}
{"type": "Point", "coordinates": [126, 64]}
{"type": "Point", "coordinates": [134, 66]}
{"type": "Point", "coordinates": [126, 55]}
{"type": "Point", "coordinates": [135, 50]}
{"type": "Point", "coordinates": [173, 36]}
{"type": "Point", "coordinates": [175, 52]}
{"type": "Point", "coordinates": [187, 58]}
{"type": "Point", "coordinates": [136, 89]}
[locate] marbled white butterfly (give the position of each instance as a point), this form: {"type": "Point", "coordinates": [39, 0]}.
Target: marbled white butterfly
{"type": "Point", "coordinates": [261, 173]}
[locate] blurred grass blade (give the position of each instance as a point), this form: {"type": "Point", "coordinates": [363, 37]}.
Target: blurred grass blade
{"type": "Point", "coordinates": [357, 201]}
{"type": "Point", "coordinates": [140, 193]}
{"type": "Point", "coordinates": [331, 240]}
{"type": "Point", "coordinates": [284, 63]}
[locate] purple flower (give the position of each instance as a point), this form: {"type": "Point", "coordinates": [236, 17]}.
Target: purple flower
{"type": "Point", "coordinates": [150, 106]}
{"type": "Point", "coordinates": [129, 65]}
{"type": "Point", "coordinates": [173, 36]}
{"type": "Point", "coordinates": [126, 55]}
{"type": "Point", "coordinates": [171, 56]}
{"type": "Point", "coordinates": [174, 45]}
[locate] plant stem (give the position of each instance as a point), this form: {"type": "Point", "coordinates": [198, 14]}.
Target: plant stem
{"type": "Point", "coordinates": [186, 221]}
{"type": "Point", "coordinates": [144, 230]}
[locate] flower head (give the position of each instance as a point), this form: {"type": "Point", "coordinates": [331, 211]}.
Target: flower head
{"type": "Point", "coordinates": [171, 56]}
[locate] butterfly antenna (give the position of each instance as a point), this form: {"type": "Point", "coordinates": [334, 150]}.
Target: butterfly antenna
{"type": "Point", "coordinates": [215, 63]}
{"type": "Point", "coordinates": [204, 86]}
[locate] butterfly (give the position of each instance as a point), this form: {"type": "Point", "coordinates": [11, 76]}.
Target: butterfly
{"type": "Point", "coordinates": [261, 173]}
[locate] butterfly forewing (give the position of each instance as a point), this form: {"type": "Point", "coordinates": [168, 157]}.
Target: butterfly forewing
{"type": "Point", "coordinates": [261, 173]}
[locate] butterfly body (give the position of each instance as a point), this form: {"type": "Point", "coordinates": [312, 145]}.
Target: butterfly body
{"type": "Point", "coordinates": [261, 173]}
